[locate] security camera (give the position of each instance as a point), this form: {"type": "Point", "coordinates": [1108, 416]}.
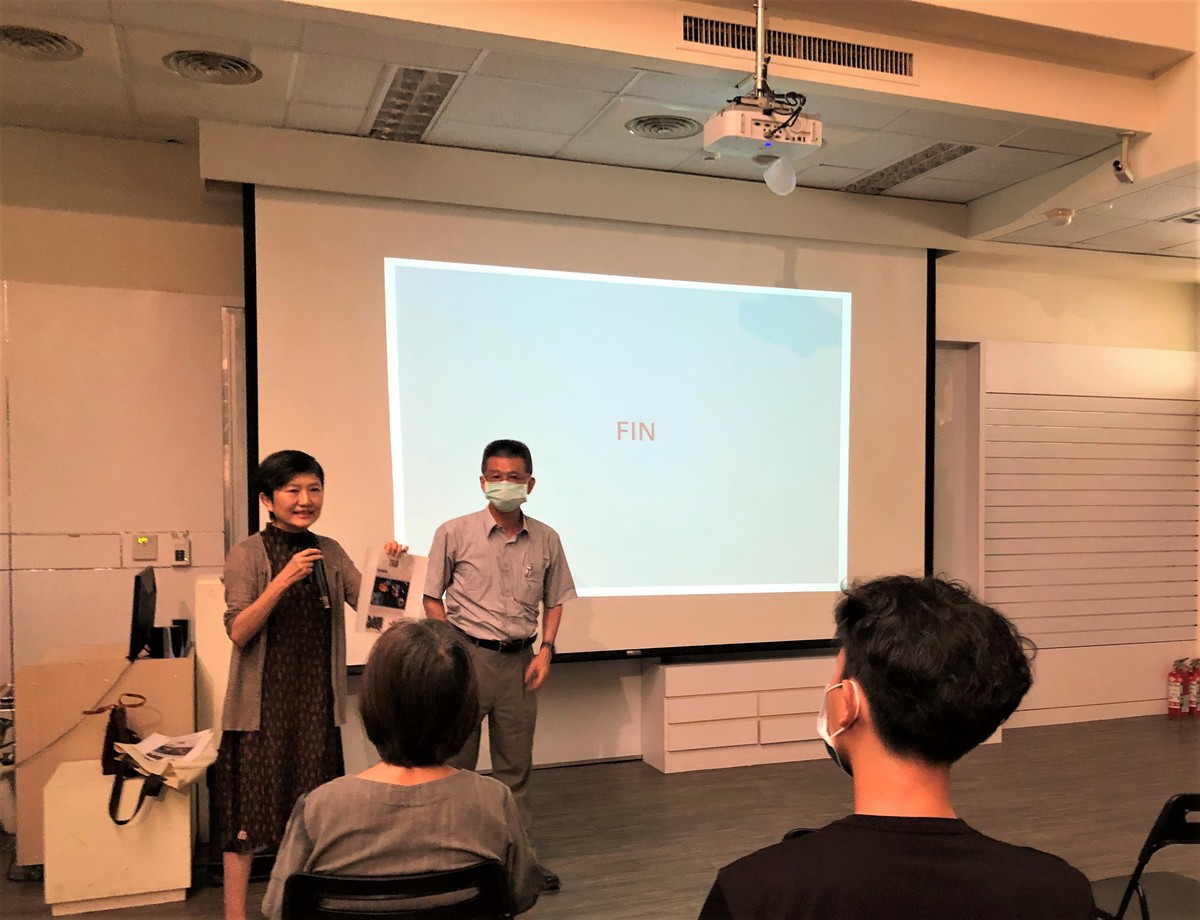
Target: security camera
{"type": "Point", "coordinates": [1122, 172]}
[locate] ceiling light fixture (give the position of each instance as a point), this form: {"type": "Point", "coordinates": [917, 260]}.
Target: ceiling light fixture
{"type": "Point", "coordinates": [411, 104]}
{"type": "Point", "coordinates": [780, 174]}
{"type": "Point", "coordinates": [1060, 217]}
{"type": "Point", "coordinates": [37, 45]}
{"type": "Point", "coordinates": [212, 67]}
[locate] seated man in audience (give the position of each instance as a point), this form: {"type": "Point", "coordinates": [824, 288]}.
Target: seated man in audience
{"type": "Point", "coordinates": [925, 673]}
{"type": "Point", "coordinates": [412, 812]}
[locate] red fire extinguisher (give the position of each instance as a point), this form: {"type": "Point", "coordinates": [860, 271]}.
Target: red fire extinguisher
{"type": "Point", "coordinates": [1179, 689]}
{"type": "Point", "coordinates": [1195, 687]}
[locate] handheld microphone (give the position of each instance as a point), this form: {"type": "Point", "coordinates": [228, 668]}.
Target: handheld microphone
{"type": "Point", "coordinates": [318, 574]}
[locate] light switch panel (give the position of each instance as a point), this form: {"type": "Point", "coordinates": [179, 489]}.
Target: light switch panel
{"type": "Point", "coordinates": [145, 547]}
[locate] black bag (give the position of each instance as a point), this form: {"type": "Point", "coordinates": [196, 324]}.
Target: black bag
{"type": "Point", "coordinates": [117, 731]}
{"type": "Point", "coordinates": [151, 786]}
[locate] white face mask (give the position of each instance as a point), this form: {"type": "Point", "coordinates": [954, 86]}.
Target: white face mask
{"type": "Point", "coordinates": [506, 496]}
{"type": "Point", "coordinates": [823, 724]}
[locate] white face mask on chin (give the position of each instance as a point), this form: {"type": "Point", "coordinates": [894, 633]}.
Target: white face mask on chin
{"type": "Point", "coordinates": [823, 724]}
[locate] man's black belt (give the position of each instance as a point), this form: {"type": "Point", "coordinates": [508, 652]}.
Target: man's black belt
{"type": "Point", "coordinates": [507, 647]}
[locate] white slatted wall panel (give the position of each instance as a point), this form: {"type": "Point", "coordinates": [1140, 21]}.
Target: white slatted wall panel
{"type": "Point", "coordinates": [1091, 510]}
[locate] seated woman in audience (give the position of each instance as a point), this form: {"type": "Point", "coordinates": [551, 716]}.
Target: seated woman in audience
{"type": "Point", "coordinates": [411, 812]}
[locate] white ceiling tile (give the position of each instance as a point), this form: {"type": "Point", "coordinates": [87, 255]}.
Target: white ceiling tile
{"type": "Point", "coordinates": [852, 113]}
{"type": "Point", "coordinates": [198, 100]}
{"type": "Point", "coordinates": [94, 10]}
{"type": "Point", "coordinates": [1151, 203]}
{"type": "Point", "coordinates": [554, 72]}
{"type": "Point", "coordinates": [1147, 237]}
{"type": "Point", "coordinates": [1061, 140]}
{"type": "Point", "coordinates": [146, 47]}
{"type": "Point", "coordinates": [930, 188]}
{"type": "Point", "coordinates": [98, 40]}
{"type": "Point", "coordinates": [61, 93]}
{"type": "Point", "coordinates": [343, 41]}
{"type": "Point", "coordinates": [1000, 166]}
{"type": "Point", "coordinates": [331, 119]}
{"type": "Point", "coordinates": [262, 25]}
{"type": "Point", "coordinates": [1192, 181]}
{"type": "Point", "coordinates": [1083, 227]}
{"type": "Point", "coordinates": [956, 127]}
{"type": "Point", "coordinates": [607, 140]}
{"type": "Point", "coordinates": [876, 151]}
{"type": "Point", "coordinates": [449, 133]}
{"type": "Point", "coordinates": [529, 106]}
{"type": "Point", "coordinates": [278, 66]}
{"type": "Point", "coordinates": [1187, 250]}
{"type": "Point", "coordinates": [827, 176]}
{"type": "Point", "coordinates": [671, 88]}
{"type": "Point", "coordinates": [336, 81]}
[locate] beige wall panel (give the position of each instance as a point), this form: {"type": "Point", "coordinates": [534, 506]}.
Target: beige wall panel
{"type": "Point", "coordinates": [114, 410]}
{"type": "Point", "coordinates": [977, 304]}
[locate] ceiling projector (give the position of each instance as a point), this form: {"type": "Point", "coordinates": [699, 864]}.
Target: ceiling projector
{"type": "Point", "coordinates": [743, 130]}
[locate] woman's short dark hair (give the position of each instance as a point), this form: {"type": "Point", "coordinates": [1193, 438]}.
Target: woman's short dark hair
{"type": "Point", "coordinates": [941, 670]}
{"type": "Point", "coordinates": [277, 470]}
{"type": "Point", "coordinates": [418, 696]}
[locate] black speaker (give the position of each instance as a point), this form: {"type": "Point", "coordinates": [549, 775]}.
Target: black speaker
{"type": "Point", "coordinates": [180, 637]}
{"type": "Point", "coordinates": [160, 642]}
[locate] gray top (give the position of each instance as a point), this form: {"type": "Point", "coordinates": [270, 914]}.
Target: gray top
{"type": "Point", "coordinates": [355, 826]}
{"type": "Point", "coordinates": [247, 574]}
{"type": "Point", "coordinates": [493, 585]}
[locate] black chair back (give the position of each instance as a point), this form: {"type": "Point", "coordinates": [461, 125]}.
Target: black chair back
{"type": "Point", "coordinates": [1178, 822]}
{"type": "Point", "coordinates": [478, 892]}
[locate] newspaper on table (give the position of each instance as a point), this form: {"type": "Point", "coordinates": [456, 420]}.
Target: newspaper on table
{"type": "Point", "coordinates": [179, 759]}
{"type": "Point", "coordinates": [392, 587]}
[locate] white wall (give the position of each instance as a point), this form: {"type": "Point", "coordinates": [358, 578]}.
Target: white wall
{"type": "Point", "coordinates": [114, 268]}
{"type": "Point", "coordinates": [1111, 336]}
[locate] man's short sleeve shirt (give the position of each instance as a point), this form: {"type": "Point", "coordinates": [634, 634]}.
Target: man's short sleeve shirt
{"type": "Point", "coordinates": [493, 585]}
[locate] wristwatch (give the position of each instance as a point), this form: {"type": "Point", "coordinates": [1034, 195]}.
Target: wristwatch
{"type": "Point", "coordinates": [548, 645]}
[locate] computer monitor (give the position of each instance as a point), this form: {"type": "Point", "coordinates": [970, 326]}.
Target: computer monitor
{"type": "Point", "coordinates": [145, 598]}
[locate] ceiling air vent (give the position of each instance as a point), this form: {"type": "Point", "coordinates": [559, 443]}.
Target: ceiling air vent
{"type": "Point", "coordinates": [212, 67]}
{"type": "Point", "coordinates": [1191, 218]}
{"type": "Point", "coordinates": [908, 168]}
{"type": "Point", "coordinates": [37, 44]}
{"type": "Point", "coordinates": [663, 127]}
{"type": "Point", "coordinates": [811, 48]}
{"type": "Point", "coordinates": [410, 104]}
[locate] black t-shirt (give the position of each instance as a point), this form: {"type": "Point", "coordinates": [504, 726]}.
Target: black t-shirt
{"type": "Point", "coordinates": [868, 866]}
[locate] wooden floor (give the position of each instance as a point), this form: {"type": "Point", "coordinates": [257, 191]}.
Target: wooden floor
{"type": "Point", "coordinates": [632, 843]}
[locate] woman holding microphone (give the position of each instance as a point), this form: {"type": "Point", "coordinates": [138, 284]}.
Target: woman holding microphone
{"type": "Point", "coordinates": [286, 697]}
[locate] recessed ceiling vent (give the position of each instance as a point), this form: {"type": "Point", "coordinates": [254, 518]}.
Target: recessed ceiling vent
{"type": "Point", "coordinates": [411, 103]}
{"type": "Point", "coordinates": [212, 67]}
{"type": "Point", "coordinates": [908, 168]}
{"type": "Point", "coordinates": [663, 127]}
{"type": "Point", "coordinates": [811, 48]}
{"type": "Point", "coordinates": [37, 45]}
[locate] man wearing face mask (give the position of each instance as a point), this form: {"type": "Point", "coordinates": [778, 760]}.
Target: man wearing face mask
{"type": "Point", "coordinates": [925, 673]}
{"type": "Point", "coordinates": [495, 568]}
